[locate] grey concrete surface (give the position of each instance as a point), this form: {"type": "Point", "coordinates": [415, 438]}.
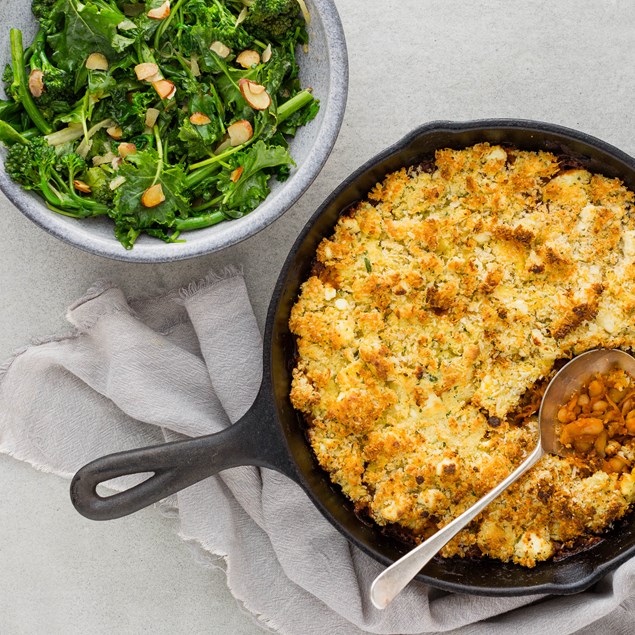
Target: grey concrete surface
{"type": "Point", "coordinates": [411, 61]}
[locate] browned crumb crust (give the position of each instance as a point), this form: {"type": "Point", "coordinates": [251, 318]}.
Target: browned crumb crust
{"type": "Point", "coordinates": [433, 309]}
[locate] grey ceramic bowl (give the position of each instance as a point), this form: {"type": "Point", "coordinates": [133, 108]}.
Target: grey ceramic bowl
{"type": "Point", "coordinates": [324, 68]}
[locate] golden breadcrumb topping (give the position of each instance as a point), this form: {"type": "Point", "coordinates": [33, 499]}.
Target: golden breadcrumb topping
{"type": "Point", "coordinates": [434, 309]}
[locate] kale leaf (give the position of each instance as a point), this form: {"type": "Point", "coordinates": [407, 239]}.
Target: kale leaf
{"type": "Point", "coordinates": [141, 171]}
{"type": "Point", "coordinates": [87, 28]}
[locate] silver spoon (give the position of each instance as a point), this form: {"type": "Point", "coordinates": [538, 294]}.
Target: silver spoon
{"type": "Point", "coordinates": [568, 379]}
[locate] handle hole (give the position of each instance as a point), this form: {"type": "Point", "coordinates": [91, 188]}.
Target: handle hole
{"type": "Point", "coordinates": [113, 486]}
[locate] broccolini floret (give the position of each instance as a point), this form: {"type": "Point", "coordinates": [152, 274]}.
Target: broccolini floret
{"type": "Point", "coordinates": [34, 166]}
{"type": "Point", "coordinates": [42, 8]}
{"type": "Point", "coordinates": [58, 95]}
{"type": "Point", "coordinates": [24, 161]}
{"type": "Point", "coordinates": [275, 19]}
{"type": "Point", "coordinates": [73, 165]}
{"type": "Point", "coordinates": [48, 13]}
{"type": "Point", "coordinates": [218, 23]}
{"type": "Point", "coordinates": [7, 77]}
{"type": "Point", "coordinates": [99, 181]}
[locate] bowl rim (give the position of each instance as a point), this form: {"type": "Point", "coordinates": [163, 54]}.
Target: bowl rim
{"type": "Point", "coordinates": [269, 210]}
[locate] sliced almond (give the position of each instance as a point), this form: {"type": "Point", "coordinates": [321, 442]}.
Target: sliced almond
{"type": "Point", "coordinates": [126, 25]}
{"type": "Point", "coordinates": [236, 174]}
{"type": "Point", "coordinates": [152, 114]}
{"type": "Point", "coordinates": [259, 100]}
{"type": "Point", "coordinates": [256, 89]}
{"type": "Point", "coordinates": [115, 132]}
{"type": "Point", "coordinates": [200, 119]}
{"type": "Point", "coordinates": [146, 70]}
{"type": "Point", "coordinates": [118, 181]}
{"type": "Point", "coordinates": [220, 49]}
{"type": "Point", "coordinates": [305, 11]}
{"type": "Point", "coordinates": [103, 159]}
{"type": "Point", "coordinates": [223, 145]}
{"type": "Point", "coordinates": [195, 68]}
{"type": "Point", "coordinates": [155, 78]}
{"type": "Point", "coordinates": [266, 54]}
{"type": "Point", "coordinates": [80, 186]}
{"type": "Point", "coordinates": [153, 196]}
{"type": "Point", "coordinates": [242, 16]}
{"type": "Point", "coordinates": [160, 13]}
{"type": "Point", "coordinates": [36, 82]}
{"type": "Point", "coordinates": [126, 149]}
{"type": "Point", "coordinates": [84, 148]}
{"type": "Point", "coordinates": [165, 88]}
{"type": "Point", "coordinates": [97, 62]}
{"type": "Point", "coordinates": [248, 58]}
{"type": "Point", "coordinates": [240, 132]}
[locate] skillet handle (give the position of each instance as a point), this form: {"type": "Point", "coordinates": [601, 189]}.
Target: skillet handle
{"type": "Point", "coordinates": [254, 440]}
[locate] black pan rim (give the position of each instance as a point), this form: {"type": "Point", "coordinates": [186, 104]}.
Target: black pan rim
{"type": "Point", "coordinates": [479, 125]}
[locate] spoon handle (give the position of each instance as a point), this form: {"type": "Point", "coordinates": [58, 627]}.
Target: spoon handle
{"type": "Point", "coordinates": [395, 578]}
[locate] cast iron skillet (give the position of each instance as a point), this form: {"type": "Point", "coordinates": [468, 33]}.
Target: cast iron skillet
{"type": "Point", "coordinates": [271, 434]}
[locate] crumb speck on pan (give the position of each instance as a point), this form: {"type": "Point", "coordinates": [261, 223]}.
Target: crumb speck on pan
{"type": "Point", "coordinates": [487, 267]}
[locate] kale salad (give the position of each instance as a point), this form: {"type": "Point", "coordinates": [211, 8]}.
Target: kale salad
{"type": "Point", "coordinates": [165, 115]}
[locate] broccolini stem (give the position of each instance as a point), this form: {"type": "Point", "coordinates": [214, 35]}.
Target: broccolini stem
{"type": "Point", "coordinates": [198, 222]}
{"type": "Point", "coordinates": [38, 43]}
{"type": "Point", "coordinates": [185, 65]}
{"type": "Point", "coordinates": [84, 120]}
{"type": "Point", "coordinates": [157, 138]}
{"type": "Point", "coordinates": [198, 176]}
{"type": "Point", "coordinates": [219, 104]}
{"type": "Point", "coordinates": [51, 195]}
{"type": "Point", "coordinates": [205, 206]}
{"type": "Point", "coordinates": [88, 205]}
{"type": "Point", "coordinates": [30, 134]}
{"type": "Point", "coordinates": [302, 99]}
{"type": "Point", "coordinates": [219, 157]}
{"type": "Point", "coordinates": [58, 210]}
{"type": "Point", "coordinates": [166, 23]}
{"type": "Point", "coordinates": [289, 107]}
{"type": "Point", "coordinates": [10, 136]}
{"type": "Point", "coordinates": [20, 83]}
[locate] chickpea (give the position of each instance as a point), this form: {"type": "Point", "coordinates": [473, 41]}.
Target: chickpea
{"type": "Point", "coordinates": [590, 426]}
{"type": "Point", "coordinates": [596, 388]}
{"type": "Point", "coordinates": [595, 420]}
{"type": "Point", "coordinates": [616, 395]}
{"type": "Point", "coordinates": [565, 416]}
{"type": "Point", "coordinates": [600, 406]}
{"type": "Point", "coordinates": [585, 427]}
{"type": "Point", "coordinates": [583, 400]}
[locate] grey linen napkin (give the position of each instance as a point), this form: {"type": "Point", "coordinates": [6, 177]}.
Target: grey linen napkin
{"type": "Point", "coordinates": [188, 363]}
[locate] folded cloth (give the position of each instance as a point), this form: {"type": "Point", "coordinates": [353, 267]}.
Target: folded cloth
{"type": "Point", "coordinates": [140, 372]}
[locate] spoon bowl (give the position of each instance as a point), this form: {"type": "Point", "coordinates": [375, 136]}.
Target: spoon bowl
{"type": "Point", "coordinates": [570, 378]}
